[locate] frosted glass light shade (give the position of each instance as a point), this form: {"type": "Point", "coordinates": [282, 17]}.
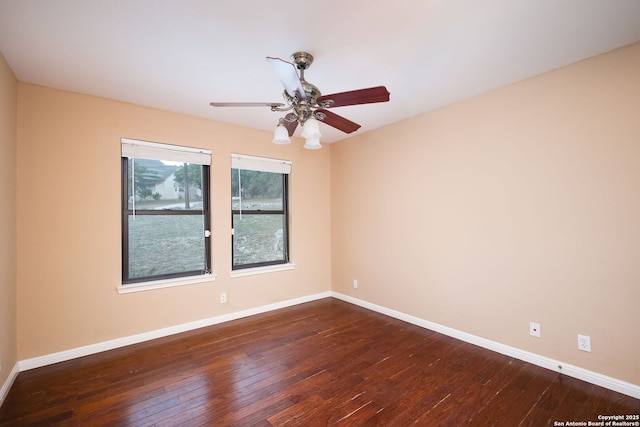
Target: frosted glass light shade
{"type": "Point", "coordinates": [312, 143]}
{"type": "Point", "coordinates": [311, 129]}
{"type": "Point", "coordinates": [281, 135]}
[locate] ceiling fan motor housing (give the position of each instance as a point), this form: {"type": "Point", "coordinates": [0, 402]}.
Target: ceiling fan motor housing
{"type": "Point", "coordinates": [311, 91]}
{"type": "Point", "coordinates": [303, 60]}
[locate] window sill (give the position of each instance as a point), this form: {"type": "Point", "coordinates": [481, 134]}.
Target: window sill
{"type": "Point", "coordinates": [262, 270]}
{"type": "Point", "coordinates": [168, 283]}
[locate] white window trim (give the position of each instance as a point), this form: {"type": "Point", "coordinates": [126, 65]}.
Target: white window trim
{"type": "Point", "coordinates": [260, 164]}
{"type": "Point", "coordinates": [133, 148]}
{"type": "Point", "coordinates": [166, 283]}
{"type": "Point", "coordinates": [262, 270]}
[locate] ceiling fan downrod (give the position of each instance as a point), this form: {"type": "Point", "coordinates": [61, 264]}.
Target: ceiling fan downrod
{"type": "Point", "coordinates": [304, 105]}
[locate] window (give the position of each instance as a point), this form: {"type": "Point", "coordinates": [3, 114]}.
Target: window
{"type": "Point", "coordinates": [259, 218]}
{"type": "Point", "coordinates": [165, 211]}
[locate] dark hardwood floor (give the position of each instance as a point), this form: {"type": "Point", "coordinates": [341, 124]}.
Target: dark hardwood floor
{"type": "Point", "coordinates": [321, 363]}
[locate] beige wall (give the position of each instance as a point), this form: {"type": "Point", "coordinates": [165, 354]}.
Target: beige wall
{"type": "Point", "coordinates": [8, 340]}
{"type": "Point", "coordinates": [518, 205]}
{"type": "Point", "coordinates": [69, 221]}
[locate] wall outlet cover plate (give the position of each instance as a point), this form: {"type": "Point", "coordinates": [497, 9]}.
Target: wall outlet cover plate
{"type": "Point", "coordinates": [534, 329]}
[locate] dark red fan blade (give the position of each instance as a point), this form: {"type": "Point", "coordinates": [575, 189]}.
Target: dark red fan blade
{"type": "Point", "coordinates": [354, 97]}
{"type": "Point", "coordinates": [336, 121]}
{"type": "Point", "coordinates": [291, 123]}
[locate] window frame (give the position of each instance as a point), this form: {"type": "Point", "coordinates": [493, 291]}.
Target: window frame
{"type": "Point", "coordinates": [284, 212]}
{"type": "Point", "coordinates": [126, 212]}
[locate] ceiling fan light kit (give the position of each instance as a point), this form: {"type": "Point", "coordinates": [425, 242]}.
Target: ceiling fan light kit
{"type": "Point", "coordinates": [311, 134]}
{"type": "Point", "coordinates": [306, 103]}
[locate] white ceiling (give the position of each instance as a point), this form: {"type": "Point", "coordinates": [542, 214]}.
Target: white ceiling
{"type": "Point", "coordinates": [179, 55]}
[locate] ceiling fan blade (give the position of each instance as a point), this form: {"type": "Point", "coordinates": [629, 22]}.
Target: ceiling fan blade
{"type": "Point", "coordinates": [291, 123]}
{"type": "Point", "coordinates": [354, 97]}
{"type": "Point", "coordinates": [246, 104]}
{"type": "Point", "coordinates": [288, 76]}
{"type": "Point", "coordinates": [336, 121]}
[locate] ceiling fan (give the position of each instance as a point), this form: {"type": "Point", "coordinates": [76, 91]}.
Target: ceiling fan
{"type": "Point", "coordinates": [306, 104]}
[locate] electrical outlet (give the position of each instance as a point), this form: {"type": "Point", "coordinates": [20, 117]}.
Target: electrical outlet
{"type": "Point", "coordinates": [534, 329]}
{"type": "Point", "coordinates": [355, 284]}
{"type": "Point", "coordinates": [223, 298]}
{"type": "Point", "coordinates": [584, 343]}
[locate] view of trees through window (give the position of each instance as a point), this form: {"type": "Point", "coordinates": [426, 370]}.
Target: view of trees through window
{"type": "Point", "coordinates": [155, 180]}
{"type": "Point", "coordinates": [165, 219]}
{"type": "Point", "coordinates": [259, 218]}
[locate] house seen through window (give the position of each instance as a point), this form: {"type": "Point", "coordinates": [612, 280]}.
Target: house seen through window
{"type": "Point", "coordinates": [259, 211]}
{"type": "Point", "coordinates": [165, 211]}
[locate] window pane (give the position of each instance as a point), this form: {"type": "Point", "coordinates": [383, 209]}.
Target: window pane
{"type": "Point", "coordinates": [258, 238]}
{"type": "Point", "coordinates": [163, 185]}
{"type": "Point", "coordinates": [160, 244]}
{"type": "Point", "coordinates": [260, 190]}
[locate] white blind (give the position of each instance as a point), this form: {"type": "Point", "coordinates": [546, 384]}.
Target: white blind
{"type": "Point", "coordinates": [134, 148]}
{"type": "Point", "coordinates": [261, 164]}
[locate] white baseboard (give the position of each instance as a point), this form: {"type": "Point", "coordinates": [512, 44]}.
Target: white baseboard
{"type": "Point", "coordinates": [36, 362]}
{"type": "Point", "coordinates": [610, 383]}
{"type": "Point", "coordinates": [8, 383]}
